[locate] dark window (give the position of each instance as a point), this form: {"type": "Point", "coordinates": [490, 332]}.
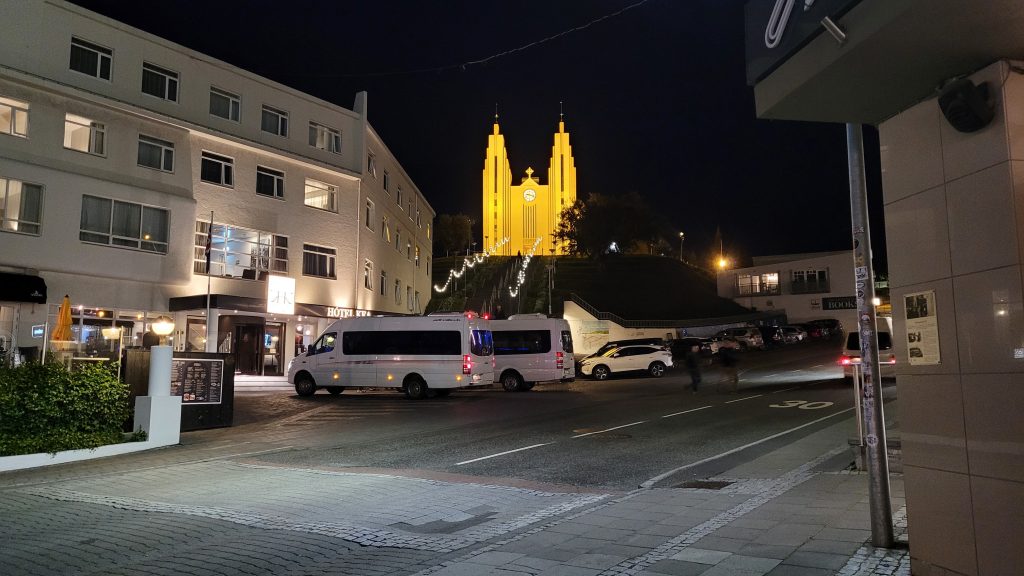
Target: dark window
{"type": "Point", "coordinates": [884, 341]}
{"type": "Point", "coordinates": [567, 341]}
{"type": "Point", "coordinates": [91, 59]}
{"type": "Point", "coordinates": [403, 342]}
{"type": "Point", "coordinates": [521, 342]}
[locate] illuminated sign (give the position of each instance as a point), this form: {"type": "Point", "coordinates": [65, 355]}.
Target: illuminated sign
{"type": "Point", "coordinates": [280, 295]}
{"type": "Point", "coordinates": [38, 330]}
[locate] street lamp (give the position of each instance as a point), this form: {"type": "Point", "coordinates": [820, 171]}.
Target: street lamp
{"type": "Point", "coordinates": [681, 236]}
{"type": "Point", "coordinates": [722, 262]}
{"type": "Point", "coordinates": [162, 326]}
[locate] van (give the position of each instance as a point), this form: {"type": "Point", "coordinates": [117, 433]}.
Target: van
{"type": "Point", "coordinates": [886, 357]}
{"type": "Point", "coordinates": [532, 348]}
{"type": "Point", "coordinates": [421, 355]}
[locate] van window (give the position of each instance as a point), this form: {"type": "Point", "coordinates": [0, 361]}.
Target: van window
{"type": "Point", "coordinates": [521, 342]}
{"type": "Point", "coordinates": [323, 344]}
{"type": "Point", "coordinates": [481, 343]}
{"type": "Point", "coordinates": [567, 341]}
{"type": "Point", "coordinates": [884, 341]}
{"type": "Point", "coordinates": [404, 342]}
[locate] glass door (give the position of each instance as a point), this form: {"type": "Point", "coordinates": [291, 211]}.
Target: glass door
{"type": "Point", "coordinates": [273, 348]}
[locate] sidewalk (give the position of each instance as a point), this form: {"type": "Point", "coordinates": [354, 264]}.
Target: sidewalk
{"type": "Point", "coordinates": [778, 515]}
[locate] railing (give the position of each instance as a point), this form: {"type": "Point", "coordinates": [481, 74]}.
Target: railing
{"type": "Point", "coordinates": [815, 287]}
{"type": "Point", "coordinates": [770, 290]}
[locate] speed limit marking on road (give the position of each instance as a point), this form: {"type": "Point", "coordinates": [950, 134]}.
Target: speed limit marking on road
{"type": "Point", "coordinates": [802, 404]}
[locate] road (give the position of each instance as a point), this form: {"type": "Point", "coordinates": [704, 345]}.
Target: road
{"type": "Point", "coordinates": [371, 482]}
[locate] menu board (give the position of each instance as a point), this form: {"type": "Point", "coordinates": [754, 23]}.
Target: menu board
{"type": "Point", "coordinates": [197, 381]}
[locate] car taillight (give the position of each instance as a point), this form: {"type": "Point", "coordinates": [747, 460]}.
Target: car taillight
{"type": "Point", "coordinates": [559, 360]}
{"type": "Point", "coordinates": [467, 364]}
{"type": "Point", "coordinates": [847, 360]}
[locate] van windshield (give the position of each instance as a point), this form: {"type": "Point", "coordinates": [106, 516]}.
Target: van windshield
{"type": "Point", "coordinates": [481, 343]}
{"type": "Point", "coordinates": [884, 341]}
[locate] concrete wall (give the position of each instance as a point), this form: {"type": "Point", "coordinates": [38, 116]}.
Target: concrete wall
{"type": "Point", "coordinates": [954, 215]}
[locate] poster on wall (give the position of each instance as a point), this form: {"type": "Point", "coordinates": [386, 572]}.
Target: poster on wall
{"type": "Point", "coordinates": [922, 328]}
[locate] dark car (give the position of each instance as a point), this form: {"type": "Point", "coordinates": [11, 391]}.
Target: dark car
{"type": "Point", "coordinates": [680, 346]}
{"type": "Point", "coordinates": [830, 327]}
{"type": "Point", "coordinates": [773, 336]}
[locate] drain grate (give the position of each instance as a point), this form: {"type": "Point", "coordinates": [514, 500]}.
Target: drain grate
{"type": "Point", "coordinates": [705, 484]}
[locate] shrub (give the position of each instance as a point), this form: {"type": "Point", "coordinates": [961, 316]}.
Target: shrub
{"type": "Point", "coordinates": [47, 408]}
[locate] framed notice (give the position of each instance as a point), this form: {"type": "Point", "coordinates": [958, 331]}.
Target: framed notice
{"type": "Point", "coordinates": [922, 328]}
{"type": "Point", "coordinates": [197, 381]}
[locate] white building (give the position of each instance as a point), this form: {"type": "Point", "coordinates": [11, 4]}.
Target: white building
{"type": "Point", "coordinates": [805, 286]}
{"type": "Point", "coordinates": [117, 147]}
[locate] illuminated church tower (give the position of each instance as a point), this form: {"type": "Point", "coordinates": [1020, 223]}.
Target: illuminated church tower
{"type": "Point", "coordinates": [529, 210]}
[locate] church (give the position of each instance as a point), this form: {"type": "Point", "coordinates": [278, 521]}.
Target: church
{"type": "Point", "coordinates": [531, 209]}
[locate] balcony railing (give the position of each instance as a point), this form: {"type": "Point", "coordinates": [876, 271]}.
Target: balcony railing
{"type": "Point", "coordinates": [815, 287]}
{"type": "Point", "coordinates": [763, 290]}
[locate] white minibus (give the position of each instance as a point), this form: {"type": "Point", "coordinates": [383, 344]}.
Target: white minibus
{"type": "Point", "coordinates": [422, 355]}
{"type": "Point", "coordinates": [531, 348]}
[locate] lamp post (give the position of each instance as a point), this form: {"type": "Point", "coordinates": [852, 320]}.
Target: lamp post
{"type": "Point", "coordinates": [681, 237]}
{"type": "Point", "coordinates": [162, 326]}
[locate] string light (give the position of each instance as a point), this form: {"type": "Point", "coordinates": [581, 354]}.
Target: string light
{"type": "Point", "coordinates": [469, 263]}
{"type": "Point", "coordinates": [521, 277]}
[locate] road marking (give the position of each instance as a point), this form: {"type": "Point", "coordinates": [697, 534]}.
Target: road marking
{"type": "Point", "coordinates": [502, 453]}
{"type": "Point", "coordinates": [661, 477]}
{"type": "Point", "coordinates": [784, 390]}
{"type": "Point", "coordinates": [742, 399]}
{"type": "Point", "coordinates": [609, 429]}
{"type": "Point", "coordinates": [686, 411]}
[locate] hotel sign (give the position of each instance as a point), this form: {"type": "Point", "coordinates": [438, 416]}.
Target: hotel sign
{"type": "Point", "coordinates": [280, 295]}
{"type": "Point", "coordinates": [777, 29]}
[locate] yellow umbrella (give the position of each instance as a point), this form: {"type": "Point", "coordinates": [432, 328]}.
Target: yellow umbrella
{"type": "Point", "coordinates": [62, 330]}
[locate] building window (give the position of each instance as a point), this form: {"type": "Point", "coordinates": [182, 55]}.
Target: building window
{"type": "Point", "coordinates": [398, 291]}
{"type": "Point", "coordinates": [417, 308]}
{"type": "Point", "coordinates": [419, 219]}
{"type": "Point", "coordinates": [417, 256]}
{"type": "Point", "coordinates": [324, 138]}
{"type": "Point", "coordinates": [123, 224]}
{"type": "Point", "coordinates": [383, 283]}
{"type": "Point", "coordinates": [159, 82]}
{"type": "Point", "coordinates": [91, 59]}
{"type": "Point", "coordinates": [21, 206]}
{"type": "Point", "coordinates": [428, 230]}
{"type": "Point", "coordinates": [398, 197]}
{"type": "Point", "coordinates": [225, 104]}
{"type": "Point", "coordinates": [371, 167]}
{"type": "Point", "coordinates": [387, 183]}
{"type": "Point", "coordinates": [13, 117]}
{"type": "Point", "coordinates": [84, 135]}
{"type": "Point", "coordinates": [321, 195]}
{"type": "Point", "coordinates": [318, 261]}
{"type": "Point", "coordinates": [408, 250]}
{"type": "Point", "coordinates": [155, 153]}
{"type": "Point", "coordinates": [269, 182]}
{"type": "Point", "coordinates": [369, 216]}
{"type": "Point", "coordinates": [239, 252]}
{"type": "Point", "coordinates": [758, 284]}
{"type": "Point", "coordinates": [408, 298]}
{"type": "Point", "coordinates": [385, 230]}
{"type": "Point", "coordinates": [217, 169]}
{"type": "Point", "coordinates": [398, 238]}
{"type": "Point", "coordinates": [368, 275]}
{"type": "Point", "coordinates": [810, 281]}
{"type": "Point", "coordinates": [410, 209]}
{"type": "Point", "coordinates": [274, 121]}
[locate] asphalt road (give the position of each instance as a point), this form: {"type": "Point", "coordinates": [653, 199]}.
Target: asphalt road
{"type": "Point", "coordinates": [610, 435]}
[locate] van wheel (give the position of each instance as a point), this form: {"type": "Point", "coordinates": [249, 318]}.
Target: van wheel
{"type": "Point", "coordinates": [335, 390]}
{"type": "Point", "coordinates": [601, 372]}
{"type": "Point", "coordinates": [415, 388]}
{"type": "Point", "coordinates": [656, 369]}
{"type": "Point", "coordinates": [304, 386]}
{"type": "Point", "coordinates": [511, 382]}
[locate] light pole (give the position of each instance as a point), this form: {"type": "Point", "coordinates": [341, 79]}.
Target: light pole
{"type": "Point", "coordinates": [681, 237]}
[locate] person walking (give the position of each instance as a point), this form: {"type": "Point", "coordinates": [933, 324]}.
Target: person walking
{"type": "Point", "coordinates": [728, 353]}
{"type": "Point", "coordinates": [692, 360]}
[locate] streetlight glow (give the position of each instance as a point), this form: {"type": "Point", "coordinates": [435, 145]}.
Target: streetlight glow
{"type": "Point", "coordinates": [681, 236]}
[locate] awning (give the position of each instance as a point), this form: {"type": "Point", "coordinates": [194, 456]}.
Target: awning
{"type": "Point", "coordinates": [22, 288]}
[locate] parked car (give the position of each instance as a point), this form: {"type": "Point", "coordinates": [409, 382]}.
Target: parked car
{"type": "Point", "coordinates": [615, 344]}
{"type": "Point", "coordinates": [748, 337]}
{"type": "Point", "coordinates": [794, 334]}
{"type": "Point", "coordinates": [773, 336]}
{"type": "Point", "coordinates": [706, 346]}
{"type": "Point", "coordinates": [886, 358]}
{"type": "Point", "coordinates": [830, 327]}
{"type": "Point", "coordinates": [644, 357]}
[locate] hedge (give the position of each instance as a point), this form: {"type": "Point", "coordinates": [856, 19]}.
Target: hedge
{"type": "Point", "coordinates": [47, 408]}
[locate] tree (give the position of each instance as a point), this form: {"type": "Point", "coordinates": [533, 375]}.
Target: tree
{"type": "Point", "coordinates": [453, 232]}
{"type": "Point", "coordinates": [589, 228]}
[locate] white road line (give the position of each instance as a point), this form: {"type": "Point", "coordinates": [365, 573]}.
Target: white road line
{"type": "Point", "coordinates": [686, 411]}
{"type": "Point", "coordinates": [742, 399]}
{"type": "Point", "coordinates": [783, 390]}
{"type": "Point", "coordinates": [661, 477]}
{"type": "Point", "coordinates": [609, 429]}
{"type": "Point", "coordinates": [502, 453]}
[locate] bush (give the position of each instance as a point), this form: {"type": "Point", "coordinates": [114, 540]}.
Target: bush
{"type": "Point", "coordinates": [47, 408]}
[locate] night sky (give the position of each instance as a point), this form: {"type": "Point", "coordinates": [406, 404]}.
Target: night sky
{"type": "Point", "coordinates": [654, 94]}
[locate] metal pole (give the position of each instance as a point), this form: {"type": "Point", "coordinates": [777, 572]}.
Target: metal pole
{"type": "Point", "coordinates": [871, 393]}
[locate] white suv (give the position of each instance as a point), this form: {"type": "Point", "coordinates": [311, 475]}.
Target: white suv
{"type": "Point", "coordinates": [651, 359]}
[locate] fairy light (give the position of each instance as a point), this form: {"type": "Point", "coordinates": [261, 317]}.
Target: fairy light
{"type": "Point", "coordinates": [521, 277]}
{"type": "Point", "coordinates": [469, 262]}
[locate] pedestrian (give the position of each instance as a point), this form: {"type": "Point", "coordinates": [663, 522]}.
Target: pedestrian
{"type": "Point", "coordinates": [727, 352]}
{"type": "Point", "coordinates": [499, 314]}
{"type": "Point", "coordinates": [693, 365]}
